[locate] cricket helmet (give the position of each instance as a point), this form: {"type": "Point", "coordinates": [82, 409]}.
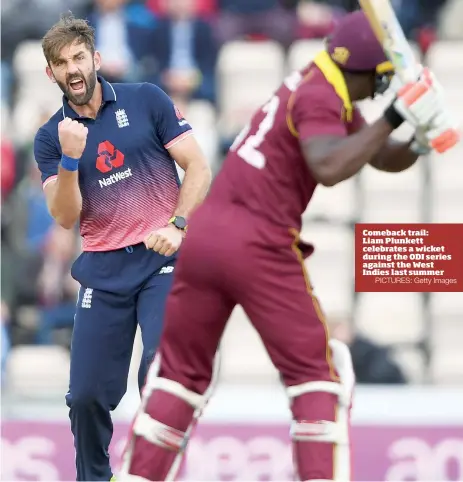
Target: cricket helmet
{"type": "Point", "coordinates": [353, 46]}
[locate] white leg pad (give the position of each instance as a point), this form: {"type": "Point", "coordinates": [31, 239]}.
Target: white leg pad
{"type": "Point", "coordinates": [326, 431]}
{"type": "Point", "coordinates": [320, 431]}
{"type": "Point", "coordinates": [308, 387]}
{"type": "Point", "coordinates": [158, 433]}
{"type": "Point", "coordinates": [193, 399]}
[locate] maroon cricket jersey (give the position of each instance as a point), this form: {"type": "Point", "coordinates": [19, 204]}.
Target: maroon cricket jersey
{"type": "Point", "coordinates": [265, 170]}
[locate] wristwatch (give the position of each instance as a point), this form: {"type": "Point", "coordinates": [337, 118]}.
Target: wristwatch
{"type": "Point", "coordinates": [179, 222]}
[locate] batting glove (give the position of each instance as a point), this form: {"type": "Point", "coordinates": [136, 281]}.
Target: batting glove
{"type": "Point", "coordinates": [422, 104]}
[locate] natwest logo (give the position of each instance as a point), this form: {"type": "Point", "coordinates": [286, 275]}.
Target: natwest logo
{"type": "Point", "coordinates": [116, 177]}
{"type": "Point", "coordinates": [108, 157]}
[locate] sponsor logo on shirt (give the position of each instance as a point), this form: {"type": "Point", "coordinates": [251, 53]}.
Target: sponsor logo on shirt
{"type": "Point", "coordinates": [116, 177]}
{"type": "Point", "coordinates": [110, 158]}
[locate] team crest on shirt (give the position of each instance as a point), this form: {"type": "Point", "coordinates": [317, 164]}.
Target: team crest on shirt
{"type": "Point", "coordinates": [180, 117]}
{"type": "Point", "coordinates": [121, 118]}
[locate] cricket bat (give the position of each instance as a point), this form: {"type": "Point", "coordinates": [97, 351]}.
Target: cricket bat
{"type": "Point", "coordinates": [386, 26]}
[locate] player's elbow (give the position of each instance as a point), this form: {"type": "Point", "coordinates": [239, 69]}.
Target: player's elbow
{"type": "Point", "coordinates": [325, 176]}
{"type": "Point", "coordinates": [67, 223]}
{"type": "Point", "coordinates": [322, 160]}
{"type": "Point", "coordinates": [328, 181]}
{"type": "Point", "coordinates": [66, 220]}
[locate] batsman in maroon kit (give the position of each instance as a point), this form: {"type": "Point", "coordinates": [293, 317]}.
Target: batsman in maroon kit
{"type": "Point", "coordinates": [243, 247]}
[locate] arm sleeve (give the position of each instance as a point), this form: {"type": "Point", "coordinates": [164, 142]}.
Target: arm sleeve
{"type": "Point", "coordinates": [47, 156]}
{"type": "Point", "coordinates": [171, 126]}
{"type": "Point", "coordinates": [317, 112]}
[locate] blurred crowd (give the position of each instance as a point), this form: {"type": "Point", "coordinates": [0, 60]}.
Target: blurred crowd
{"type": "Point", "coordinates": [172, 43]}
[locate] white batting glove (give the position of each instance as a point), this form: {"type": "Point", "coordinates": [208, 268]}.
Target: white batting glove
{"type": "Point", "coordinates": [422, 104]}
{"type": "Point", "coordinates": [442, 135]}
{"type": "Point", "coordinates": [421, 101]}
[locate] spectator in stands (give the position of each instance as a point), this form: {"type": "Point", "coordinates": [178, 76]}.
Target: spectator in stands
{"type": "Point", "coordinates": [57, 289]}
{"type": "Point", "coordinates": [30, 19]}
{"type": "Point", "coordinates": [5, 338]}
{"type": "Point", "coordinates": [243, 18]}
{"type": "Point", "coordinates": [185, 50]}
{"type": "Point", "coordinates": [416, 14]}
{"type": "Point", "coordinates": [8, 164]}
{"type": "Point", "coordinates": [28, 228]}
{"type": "Point", "coordinates": [373, 363]}
{"type": "Point", "coordinates": [315, 19]}
{"type": "Point", "coordinates": [419, 20]}
{"type": "Point", "coordinates": [204, 8]}
{"type": "Point", "coordinates": [124, 38]}
{"type": "Point", "coordinates": [6, 82]}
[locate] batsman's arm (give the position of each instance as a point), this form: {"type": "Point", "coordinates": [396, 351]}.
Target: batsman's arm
{"type": "Point", "coordinates": [61, 187]}
{"type": "Point", "coordinates": [395, 156]}
{"type": "Point", "coordinates": [188, 155]}
{"type": "Point", "coordinates": [334, 159]}
{"type": "Point", "coordinates": [332, 153]}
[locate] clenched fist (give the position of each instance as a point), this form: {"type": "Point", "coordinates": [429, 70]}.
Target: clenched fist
{"type": "Point", "coordinates": [72, 137]}
{"type": "Point", "coordinates": [165, 241]}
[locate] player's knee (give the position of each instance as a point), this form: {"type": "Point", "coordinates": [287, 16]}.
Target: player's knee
{"type": "Point", "coordinates": [82, 400]}
{"type": "Point", "coordinates": [87, 399]}
{"type": "Point", "coordinates": [195, 381]}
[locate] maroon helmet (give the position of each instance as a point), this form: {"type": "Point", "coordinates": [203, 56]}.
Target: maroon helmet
{"type": "Point", "coordinates": [354, 47]}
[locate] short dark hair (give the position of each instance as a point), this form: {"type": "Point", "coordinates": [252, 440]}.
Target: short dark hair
{"type": "Point", "coordinates": [65, 32]}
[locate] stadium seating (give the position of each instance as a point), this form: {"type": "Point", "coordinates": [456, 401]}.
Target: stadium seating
{"type": "Point", "coordinates": [337, 203]}
{"type": "Point", "coordinates": [247, 75]}
{"type": "Point", "coordinates": [302, 52]}
{"type": "Point", "coordinates": [38, 372]}
{"type": "Point", "coordinates": [331, 266]}
{"type": "Point", "coordinates": [202, 115]}
{"type": "Point", "coordinates": [444, 58]}
{"type": "Point", "coordinates": [390, 317]}
{"type": "Point", "coordinates": [447, 333]}
{"type": "Point", "coordinates": [37, 95]}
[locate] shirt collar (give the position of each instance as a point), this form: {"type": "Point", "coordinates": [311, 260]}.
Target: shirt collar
{"type": "Point", "coordinates": [109, 95]}
{"type": "Point", "coordinates": [334, 76]}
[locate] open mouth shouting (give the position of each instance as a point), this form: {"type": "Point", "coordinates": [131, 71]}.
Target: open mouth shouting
{"type": "Point", "coordinates": [77, 86]}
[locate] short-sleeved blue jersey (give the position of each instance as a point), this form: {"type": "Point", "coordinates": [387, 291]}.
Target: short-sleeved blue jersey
{"type": "Point", "coordinates": [127, 178]}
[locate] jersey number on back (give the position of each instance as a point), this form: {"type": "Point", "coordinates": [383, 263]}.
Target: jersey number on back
{"type": "Point", "coordinates": [249, 151]}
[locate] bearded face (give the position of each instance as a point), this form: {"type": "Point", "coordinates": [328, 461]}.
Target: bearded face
{"type": "Point", "coordinates": [75, 73]}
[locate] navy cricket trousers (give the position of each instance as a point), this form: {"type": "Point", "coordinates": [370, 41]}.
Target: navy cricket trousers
{"type": "Point", "coordinates": [119, 289]}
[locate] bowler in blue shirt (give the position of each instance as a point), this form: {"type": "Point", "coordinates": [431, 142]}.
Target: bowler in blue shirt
{"type": "Point", "coordinates": [107, 159]}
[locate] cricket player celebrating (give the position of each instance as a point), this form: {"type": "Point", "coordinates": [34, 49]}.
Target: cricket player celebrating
{"type": "Point", "coordinates": [243, 248]}
{"type": "Point", "coordinates": [107, 159]}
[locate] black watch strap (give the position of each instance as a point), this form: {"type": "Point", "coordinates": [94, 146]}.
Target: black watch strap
{"type": "Point", "coordinates": [179, 222]}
